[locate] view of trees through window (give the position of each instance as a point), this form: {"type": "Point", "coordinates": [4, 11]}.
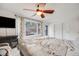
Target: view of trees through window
{"type": "Point", "coordinates": [33, 28]}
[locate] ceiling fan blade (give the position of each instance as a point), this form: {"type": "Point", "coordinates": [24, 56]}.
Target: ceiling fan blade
{"type": "Point", "coordinates": [48, 11]}
{"type": "Point", "coordinates": [30, 10]}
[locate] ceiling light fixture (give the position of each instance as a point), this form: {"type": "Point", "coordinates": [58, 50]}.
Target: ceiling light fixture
{"type": "Point", "coordinates": [39, 13]}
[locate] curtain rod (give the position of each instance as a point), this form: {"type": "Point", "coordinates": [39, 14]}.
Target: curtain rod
{"type": "Point", "coordinates": [28, 18]}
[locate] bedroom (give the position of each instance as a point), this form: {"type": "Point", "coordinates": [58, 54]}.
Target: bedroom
{"type": "Point", "coordinates": [47, 35]}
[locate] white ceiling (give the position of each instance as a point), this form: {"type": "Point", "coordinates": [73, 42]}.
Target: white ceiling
{"type": "Point", "coordinates": [63, 12]}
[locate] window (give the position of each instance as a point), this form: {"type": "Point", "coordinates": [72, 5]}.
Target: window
{"type": "Point", "coordinates": [32, 27]}
{"type": "Point", "coordinates": [46, 30]}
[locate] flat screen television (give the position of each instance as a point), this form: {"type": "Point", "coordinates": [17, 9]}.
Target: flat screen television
{"type": "Point", "coordinates": [6, 22]}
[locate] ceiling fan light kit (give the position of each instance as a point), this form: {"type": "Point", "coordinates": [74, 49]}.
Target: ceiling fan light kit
{"type": "Point", "coordinates": [39, 13]}
{"type": "Point", "coordinates": [42, 16]}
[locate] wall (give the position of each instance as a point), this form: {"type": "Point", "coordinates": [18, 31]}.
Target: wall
{"type": "Point", "coordinates": [69, 31]}
{"type": "Point", "coordinates": [6, 13]}
{"type": "Point", "coordinates": [68, 15]}
{"type": "Point", "coordinates": [8, 31]}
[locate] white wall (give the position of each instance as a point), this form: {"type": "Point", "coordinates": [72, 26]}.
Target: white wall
{"type": "Point", "coordinates": [8, 31]}
{"type": "Point", "coordinates": [70, 30]}
{"type": "Point", "coordinates": [54, 30]}
{"type": "Point", "coordinates": [6, 13]}
{"type": "Point", "coordinates": [67, 14]}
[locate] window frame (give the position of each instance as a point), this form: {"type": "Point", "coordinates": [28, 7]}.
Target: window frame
{"type": "Point", "coordinates": [36, 22]}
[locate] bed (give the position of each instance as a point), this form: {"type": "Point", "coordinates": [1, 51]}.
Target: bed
{"type": "Point", "coordinates": [47, 47]}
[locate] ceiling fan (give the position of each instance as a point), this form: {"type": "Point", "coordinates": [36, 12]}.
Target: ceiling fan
{"type": "Point", "coordinates": [40, 10]}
